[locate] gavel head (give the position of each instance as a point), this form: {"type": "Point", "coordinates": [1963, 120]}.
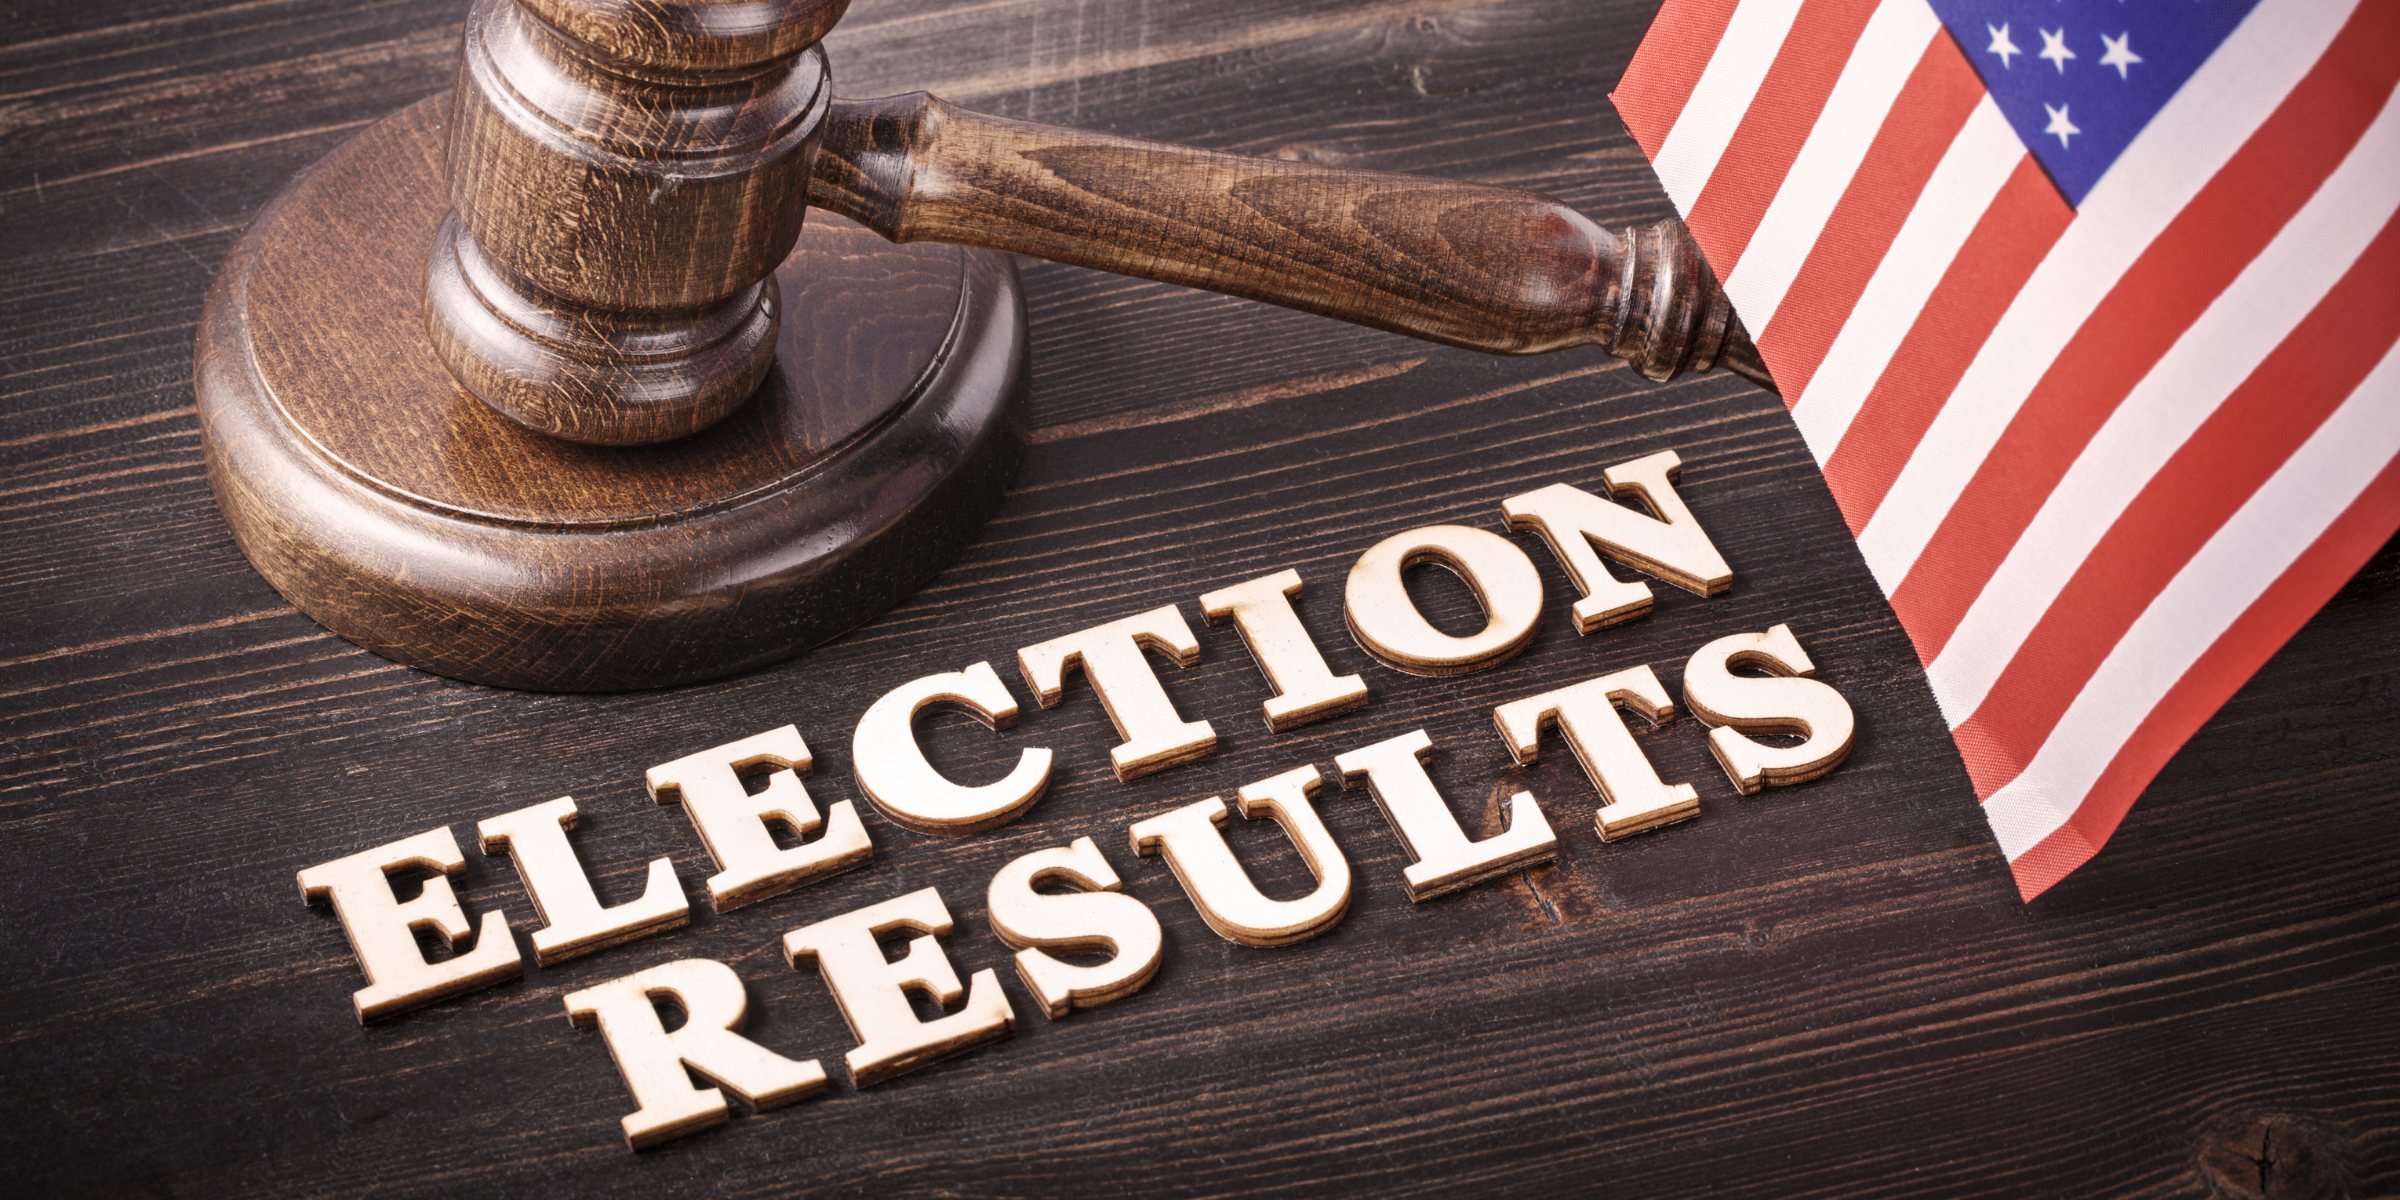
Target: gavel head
{"type": "Point", "coordinates": [625, 175]}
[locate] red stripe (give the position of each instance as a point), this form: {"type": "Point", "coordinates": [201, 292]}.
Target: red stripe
{"type": "Point", "coordinates": [1932, 107]}
{"type": "Point", "coordinates": [1775, 127]}
{"type": "Point", "coordinates": [2199, 254]}
{"type": "Point", "coordinates": [1667, 66]}
{"type": "Point", "coordinates": [2207, 481]}
{"type": "Point", "coordinates": [2025, 219]}
{"type": "Point", "coordinates": [2245, 646]}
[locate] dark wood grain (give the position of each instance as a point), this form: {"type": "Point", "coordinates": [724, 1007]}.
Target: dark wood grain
{"type": "Point", "coordinates": [1829, 990]}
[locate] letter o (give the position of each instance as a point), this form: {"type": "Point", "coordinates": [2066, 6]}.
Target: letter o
{"type": "Point", "coordinates": [1386, 623]}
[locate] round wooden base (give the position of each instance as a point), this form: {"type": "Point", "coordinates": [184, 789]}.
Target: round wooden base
{"type": "Point", "coordinates": [404, 515]}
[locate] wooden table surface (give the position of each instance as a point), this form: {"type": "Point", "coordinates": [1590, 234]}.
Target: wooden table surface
{"type": "Point", "coordinates": [1824, 990]}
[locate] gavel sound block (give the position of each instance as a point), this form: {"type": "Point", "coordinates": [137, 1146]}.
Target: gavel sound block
{"type": "Point", "coordinates": [545, 382]}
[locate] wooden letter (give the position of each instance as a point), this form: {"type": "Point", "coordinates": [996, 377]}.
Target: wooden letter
{"type": "Point", "coordinates": [573, 923]}
{"type": "Point", "coordinates": [873, 990]}
{"type": "Point", "coordinates": [1670, 546]}
{"type": "Point", "coordinates": [1156, 736]}
{"type": "Point", "coordinates": [1794, 704]}
{"type": "Point", "coordinates": [382, 929]}
{"type": "Point", "coordinates": [1444, 860]}
{"type": "Point", "coordinates": [733, 823]}
{"type": "Point", "coordinates": [1632, 797]}
{"type": "Point", "coordinates": [1195, 850]}
{"type": "Point", "coordinates": [1100, 917]}
{"type": "Point", "coordinates": [652, 1060]}
{"type": "Point", "coordinates": [1386, 622]}
{"type": "Point", "coordinates": [1305, 688]}
{"type": "Point", "coordinates": [892, 770]}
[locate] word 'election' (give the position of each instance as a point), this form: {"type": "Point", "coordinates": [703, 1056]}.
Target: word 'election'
{"type": "Point", "coordinates": [873, 990]}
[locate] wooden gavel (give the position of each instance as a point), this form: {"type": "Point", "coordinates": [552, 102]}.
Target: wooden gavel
{"type": "Point", "coordinates": [626, 175]}
{"type": "Point", "coordinates": [542, 383]}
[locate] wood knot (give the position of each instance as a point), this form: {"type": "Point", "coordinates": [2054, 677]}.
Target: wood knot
{"type": "Point", "coordinates": [1321, 153]}
{"type": "Point", "coordinates": [2270, 1156]}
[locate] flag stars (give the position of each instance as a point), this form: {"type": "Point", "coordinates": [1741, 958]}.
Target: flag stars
{"type": "Point", "coordinates": [2060, 125]}
{"type": "Point", "coordinates": [2119, 55]}
{"type": "Point", "coordinates": [2054, 48]}
{"type": "Point", "coordinates": [2001, 45]}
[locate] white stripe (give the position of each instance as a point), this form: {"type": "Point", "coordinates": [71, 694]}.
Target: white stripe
{"type": "Point", "coordinates": [1722, 97]}
{"type": "Point", "coordinates": [2221, 349]}
{"type": "Point", "coordinates": [2281, 520]}
{"type": "Point", "coordinates": [1979, 160]}
{"type": "Point", "coordinates": [1878, 67]}
{"type": "Point", "coordinates": [2206, 122]}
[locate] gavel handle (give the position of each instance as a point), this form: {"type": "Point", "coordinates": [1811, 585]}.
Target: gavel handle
{"type": "Point", "coordinates": [1495, 269]}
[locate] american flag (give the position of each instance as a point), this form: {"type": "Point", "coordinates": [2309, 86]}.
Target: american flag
{"type": "Point", "coordinates": [2087, 310]}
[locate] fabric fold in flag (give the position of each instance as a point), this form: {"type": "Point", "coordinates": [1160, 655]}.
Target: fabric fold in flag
{"type": "Point", "coordinates": [2087, 309]}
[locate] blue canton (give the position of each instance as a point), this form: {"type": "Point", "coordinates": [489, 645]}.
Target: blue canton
{"type": "Point", "coordinates": [2079, 78]}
